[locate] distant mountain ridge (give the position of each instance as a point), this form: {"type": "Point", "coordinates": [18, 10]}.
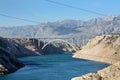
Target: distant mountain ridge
{"type": "Point", "coordinates": [65, 28]}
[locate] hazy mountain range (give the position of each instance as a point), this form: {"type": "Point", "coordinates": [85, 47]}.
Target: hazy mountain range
{"type": "Point", "coordinates": [66, 28]}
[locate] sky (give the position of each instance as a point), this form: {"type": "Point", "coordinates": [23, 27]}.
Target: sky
{"type": "Point", "coordinates": [43, 11]}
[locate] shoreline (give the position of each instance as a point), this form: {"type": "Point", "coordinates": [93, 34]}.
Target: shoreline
{"type": "Point", "coordinates": [93, 60]}
{"type": "Point", "coordinates": [105, 49]}
{"type": "Point", "coordinates": [103, 74]}
{"type": "Point", "coordinates": [107, 61]}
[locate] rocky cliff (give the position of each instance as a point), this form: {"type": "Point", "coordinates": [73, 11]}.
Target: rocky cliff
{"type": "Point", "coordinates": [15, 47]}
{"type": "Point", "coordinates": [27, 47]}
{"type": "Point", "coordinates": [101, 48]}
{"type": "Point", "coordinates": [8, 62]}
{"type": "Point", "coordinates": [9, 50]}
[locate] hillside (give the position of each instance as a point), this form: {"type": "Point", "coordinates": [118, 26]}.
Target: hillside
{"type": "Point", "coordinates": [14, 47]}
{"type": "Point", "coordinates": [104, 48]}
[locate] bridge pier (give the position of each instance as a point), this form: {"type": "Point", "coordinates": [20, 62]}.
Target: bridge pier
{"type": "Point", "coordinates": [39, 43]}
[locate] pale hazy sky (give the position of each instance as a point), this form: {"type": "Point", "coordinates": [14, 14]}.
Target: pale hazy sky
{"type": "Point", "coordinates": [43, 11]}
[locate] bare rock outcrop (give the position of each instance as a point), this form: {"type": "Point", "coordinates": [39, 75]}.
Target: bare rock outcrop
{"type": "Point", "coordinates": [15, 48]}
{"type": "Point", "coordinates": [30, 46]}
{"type": "Point", "coordinates": [2, 69]}
{"type": "Point", "coordinates": [101, 48]}
{"type": "Point", "coordinates": [110, 73]}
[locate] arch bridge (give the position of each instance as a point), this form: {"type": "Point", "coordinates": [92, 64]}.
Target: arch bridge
{"type": "Point", "coordinates": [74, 43]}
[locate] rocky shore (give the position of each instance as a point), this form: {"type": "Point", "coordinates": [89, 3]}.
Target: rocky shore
{"type": "Point", "coordinates": [103, 49]}
{"type": "Point", "coordinates": [110, 73]}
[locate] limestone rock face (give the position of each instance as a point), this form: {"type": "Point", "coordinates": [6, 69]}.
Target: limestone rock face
{"type": "Point", "coordinates": [110, 73]}
{"type": "Point", "coordinates": [101, 48]}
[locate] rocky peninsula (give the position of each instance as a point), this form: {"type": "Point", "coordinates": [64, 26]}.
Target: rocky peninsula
{"type": "Point", "coordinates": [106, 49]}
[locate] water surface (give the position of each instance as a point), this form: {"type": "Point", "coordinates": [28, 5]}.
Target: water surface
{"type": "Point", "coordinates": [53, 67]}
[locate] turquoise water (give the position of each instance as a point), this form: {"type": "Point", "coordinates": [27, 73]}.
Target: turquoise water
{"type": "Point", "coordinates": [53, 67]}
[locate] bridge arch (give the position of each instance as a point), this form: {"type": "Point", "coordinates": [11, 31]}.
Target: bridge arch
{"type": "Point", "coordinates": [59, 40]}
